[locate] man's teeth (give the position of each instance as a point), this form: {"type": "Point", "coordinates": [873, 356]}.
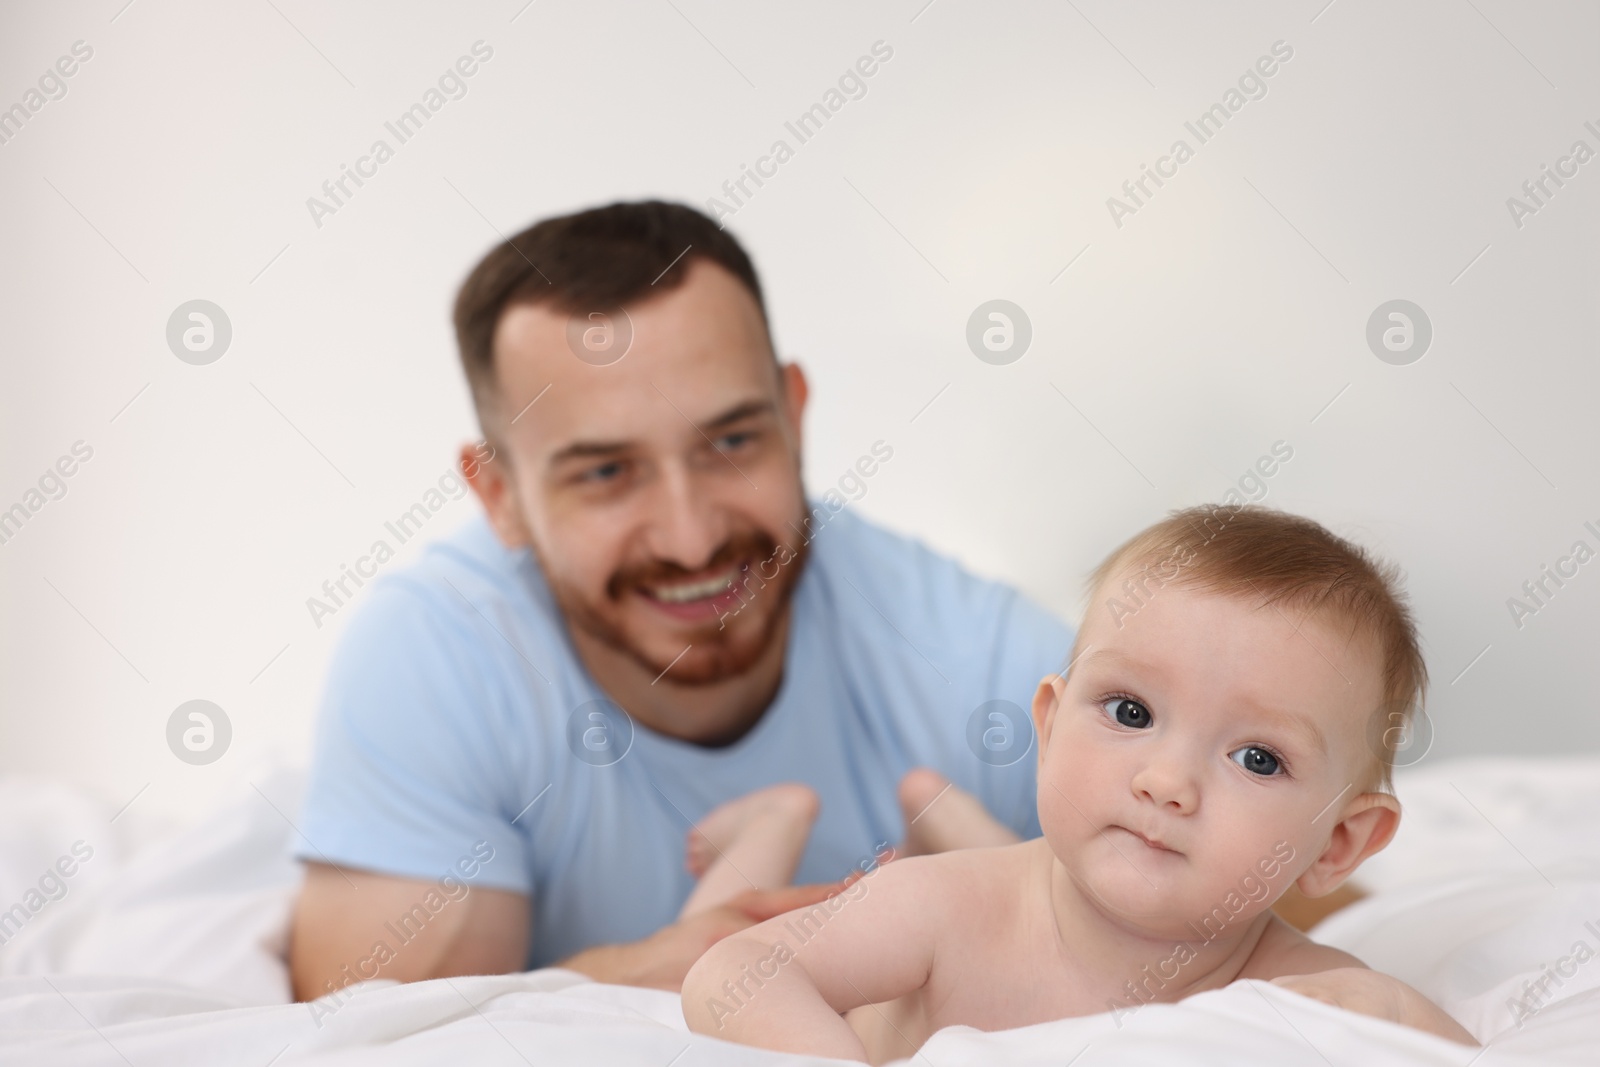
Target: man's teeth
{"type": "Point", "coordinates": [679, 594]}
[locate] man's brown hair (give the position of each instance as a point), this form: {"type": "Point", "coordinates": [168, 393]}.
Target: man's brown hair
{"type": "Point", "coordinates": [1271, 557]}
{"type": "Point", "coordinates": [594, 260]}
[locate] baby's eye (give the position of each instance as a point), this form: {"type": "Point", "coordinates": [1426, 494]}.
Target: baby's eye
{"type": "Point", "coordinates": [1127, 712]}
{"type": "Point", "coordinates": [1256, 761]}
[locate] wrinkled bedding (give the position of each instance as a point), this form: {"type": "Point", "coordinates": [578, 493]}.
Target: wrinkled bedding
{"type": "Point", "coordinates": [165, 946]}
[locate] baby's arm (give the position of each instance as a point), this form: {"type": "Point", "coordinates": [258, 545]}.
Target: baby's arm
{"type": "Point", "coordinates": [785, 983]}
{"type": "Point", "coordinates": [1371, 992]}
{"type": "Point", "coordinates": [1325, 973]}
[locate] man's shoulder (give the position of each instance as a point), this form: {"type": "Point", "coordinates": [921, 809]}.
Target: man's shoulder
{"type": "Point", "coordinates": [866, 550]}
{"type": "Point", "coordinates": [459, 583]}
{"type": "Point", "coordinates": [470, 553]}
{"type": "Point", "coordinates": [453, 637]}
{"type": "Point", "coordinates": [928, 588]}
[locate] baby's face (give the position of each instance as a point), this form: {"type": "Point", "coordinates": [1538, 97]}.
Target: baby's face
{"type": "Point", "coordinates": [1195, 725]}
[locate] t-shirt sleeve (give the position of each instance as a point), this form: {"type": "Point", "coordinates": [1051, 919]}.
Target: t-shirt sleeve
{"type": "Point", "coordinates": [1029, 644]}
{"type": "Point", "coordinates": [412, 770]}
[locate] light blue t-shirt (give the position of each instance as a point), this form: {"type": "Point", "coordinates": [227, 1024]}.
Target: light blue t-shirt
{"type": "Point", "coordinates": [456, 709]}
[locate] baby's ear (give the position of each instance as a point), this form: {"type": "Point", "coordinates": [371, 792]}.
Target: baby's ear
{"type": "Point", "coordinates": [1366, 826]}
{"type": "Point", "coordinates": [1045, 701]}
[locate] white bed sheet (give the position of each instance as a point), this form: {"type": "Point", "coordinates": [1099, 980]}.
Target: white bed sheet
{"type": "Point", "coordinates": [167, 949]}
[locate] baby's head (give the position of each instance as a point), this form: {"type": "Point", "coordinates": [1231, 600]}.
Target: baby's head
{"type": "Point", "coordinates": [1238, 686]}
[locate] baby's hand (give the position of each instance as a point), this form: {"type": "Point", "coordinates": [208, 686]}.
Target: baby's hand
{"type": "Point", "coordinates": [1373, 993]}
{"type": "Point", "coordinates": [1353, 989]}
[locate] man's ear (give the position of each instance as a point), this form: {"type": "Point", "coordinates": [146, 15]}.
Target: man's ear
{"type": "Point", "coordinates": [1366, 827]}
{"type": "Point", "coordinates": [489, 473]}
{"type": "Point", "coordinates": [795, 392]}
{"type": "Point", "coordinates": [1045, 701]}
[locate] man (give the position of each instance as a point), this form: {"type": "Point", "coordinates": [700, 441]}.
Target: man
{"type": "Point", "coordinates": [649, 620]}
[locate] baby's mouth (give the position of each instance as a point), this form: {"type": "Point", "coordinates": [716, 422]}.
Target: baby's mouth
{"type": "Point", "coordinates": [1154, 844]}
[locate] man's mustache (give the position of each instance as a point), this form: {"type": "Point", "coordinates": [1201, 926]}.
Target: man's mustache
{"type": "Point", "coordinates": [754, 544]}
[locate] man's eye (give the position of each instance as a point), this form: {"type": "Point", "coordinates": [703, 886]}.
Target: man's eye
{"type": "Point", "coordinates": [604, 473]}
{"type": "Point", "coordinates": [1256, 761]}
{"type": "Point", "coordinates": [730, 442]}
{"type": "Point", "coordinates": [1127, 712]}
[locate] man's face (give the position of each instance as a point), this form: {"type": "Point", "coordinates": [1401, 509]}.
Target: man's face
{"type": "Point", "coordinates": [1192, 726]}
{"type": "Point", "coordinates": [652, 487]}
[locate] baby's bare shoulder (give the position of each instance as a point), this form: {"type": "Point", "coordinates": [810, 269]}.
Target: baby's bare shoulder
{"type": "Point", "coordinates": [1283, 950]}
{"type": "Point", "coordinates": [966, 865]}
{"type": "Point", "coordinates": [963, 877]}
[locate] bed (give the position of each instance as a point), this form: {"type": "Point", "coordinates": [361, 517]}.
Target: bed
{"type": "Point", "coordinates": [165, 946]}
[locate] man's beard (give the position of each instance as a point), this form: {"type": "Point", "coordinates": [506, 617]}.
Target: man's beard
{"type": "Point", "coordinates": [722, 648]}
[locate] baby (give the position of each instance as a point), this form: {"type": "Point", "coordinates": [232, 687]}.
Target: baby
{"type": "Point", "coordinates": [1224, 729]}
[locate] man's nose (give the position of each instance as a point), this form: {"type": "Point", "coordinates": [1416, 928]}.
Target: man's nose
{"type": "Point", "coordinates": [686, 526]}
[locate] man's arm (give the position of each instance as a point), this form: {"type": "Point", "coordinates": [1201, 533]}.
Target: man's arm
{"type": "Point", "coordinates": [343, 917]}
{"type": "Point", "coordinates": [661, 960]}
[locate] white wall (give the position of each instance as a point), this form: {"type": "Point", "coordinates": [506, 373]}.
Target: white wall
{"type": "Point", "coordinates": [1223, 316]}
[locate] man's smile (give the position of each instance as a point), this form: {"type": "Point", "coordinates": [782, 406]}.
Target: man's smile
{"type": "Point", "coordinates": [696, 597]}
{"type": "Point", "coordinates": [683, 592]}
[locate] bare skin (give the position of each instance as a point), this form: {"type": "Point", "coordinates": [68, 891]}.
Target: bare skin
{"type": "Point", "coordinates": [1194, 766]}
{"type": "Point", "coordinates": [756, 841]}
{"type": "Point", "coordinates": [753, 841]}
{"type": "Point", "coordinates": [941, 818]}
{"type": "Point", "coordinates": [943, 905]}
{"type": "Point", "coordinates": [486, 933]}
{"type": "Point", "coordinates": [341, 916]}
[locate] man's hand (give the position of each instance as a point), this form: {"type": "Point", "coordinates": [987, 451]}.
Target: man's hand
{"type": "Point", "coordinates": [1370, 992]}
{"type": "Point", "coordinates": [661, 960]}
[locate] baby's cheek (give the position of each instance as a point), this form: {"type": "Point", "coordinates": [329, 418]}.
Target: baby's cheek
{"type": "Point", "coordinates": [1264, 875]}
{"type": "Point", "coordinates": [1072, 803]}
{"type": "Point", "coordinates": [1087, 775]}
{"type": "Point", "coordinates": [1228, 898]}
{"type": "Point", "coordinates": [1256, 890]}
{"type": "Point", "coordinates": [1051, 820]}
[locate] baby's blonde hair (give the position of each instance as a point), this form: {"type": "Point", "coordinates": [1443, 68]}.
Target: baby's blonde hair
{"type": "Point", "coordinates": [1271, 557]}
